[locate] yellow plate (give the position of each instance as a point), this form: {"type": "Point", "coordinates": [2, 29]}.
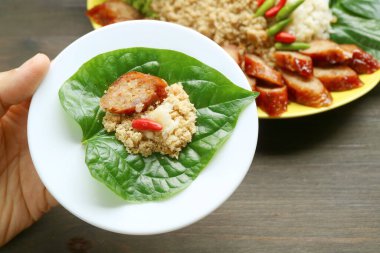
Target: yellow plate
{"type": "Point", "coordinates": [297, 110]}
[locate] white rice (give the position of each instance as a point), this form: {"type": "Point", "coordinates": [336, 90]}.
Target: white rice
{"type": "Point", "coordinates": [311, 21]}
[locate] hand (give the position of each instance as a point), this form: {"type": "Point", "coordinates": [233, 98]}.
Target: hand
{"type": "Point", "coordinates": [23, 198]}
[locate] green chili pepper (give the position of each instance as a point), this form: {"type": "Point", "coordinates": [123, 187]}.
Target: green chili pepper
{"type": "Point", "coordinates": [288, 9]}
{"type": "Point", "coordinates": [292, 47]}
{"type": "Point", "coordinates": [276, 28]}
{"type": "Point", "coordinates": [264, 7]}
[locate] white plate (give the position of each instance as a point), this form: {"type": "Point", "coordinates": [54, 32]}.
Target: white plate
{"type": "Point", "coordinates": [57, 152]}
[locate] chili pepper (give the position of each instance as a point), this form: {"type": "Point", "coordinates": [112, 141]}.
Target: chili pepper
{"type": "Point", "coordinates": [146, 125]}
{"type": "Point", "coordinates": [285, 37]}
{"type": "Point", "coordinates": [271, 13]}
{"type": "Point", "coordinates": [288, 9]}
{"type": "Point", "coordinates": [292, 47]}
{"type": "Point", "coordinates": [264, 7]}
{"type": "Point", "coordinates": [260, 2]}
{"type": "Point", "coordinates": [276, 28]}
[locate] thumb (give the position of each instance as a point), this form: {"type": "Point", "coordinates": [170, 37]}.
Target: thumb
{"type": "Point", "coordinates": [19, 84]}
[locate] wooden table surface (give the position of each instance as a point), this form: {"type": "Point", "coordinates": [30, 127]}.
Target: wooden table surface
{"type": "Point", "coordinates": [314, 185]}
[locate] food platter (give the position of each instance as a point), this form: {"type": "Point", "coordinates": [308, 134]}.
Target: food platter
{"type": "Point", "coordinates": [58, 153]}
{"type": "Point", "coordinates": [297, 110]}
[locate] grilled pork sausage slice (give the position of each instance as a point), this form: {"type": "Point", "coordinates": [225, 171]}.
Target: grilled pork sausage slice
{"type": "Point", "coordinates": [294, 62]}
{"type": "Point", "coordinates": [307, 91]}
{"type": "Point", "coordinates": [360, 61]}
{"type": "Point", "coordinates": [339, 78]}
{"type": "Point", "coordinates": [256, 67]}
{"type": "Point", "coordinates": [273, 101]}
{"type": "Point", "coordinates": [133, 92]}
{"type": "Point", "coordinates": [113, 11]}
{"type": "Point", "coordinates": [235, 53]}
{"type": "Point", "coordinates": [252, 81]}
{"type": "Point", "coordinates": [325, 52]}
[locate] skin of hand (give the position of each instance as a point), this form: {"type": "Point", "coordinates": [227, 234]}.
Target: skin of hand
{"type": "Point", "coordinates": [23, 198]}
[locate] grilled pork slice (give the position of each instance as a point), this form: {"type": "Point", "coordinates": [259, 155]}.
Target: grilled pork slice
{"type": "Point", "coordinates": [113, 11]}
{"type": "Point", "coordinates": [273, 100]}
{"type": "Point", "coordinates": [349, 49]}
{"type": "Point", "coordinates": [307, 91]}
{"type": "Point", "coordinates": [360, 61]}
{"type": "Point", "coordinates": [252, 81]}
{"type": "Point", "coordinates": [256, 67]}
{"type": "Point", "coordinates": [133, 92]}
{"type": "Point", "coordinates": [325, 52]}
{"type": "Point", "coordinates": [339, 78]}
{"type": "Point", "coordinates": [235, 53]}
{"type": "Point", "coordinates": [295, 62]}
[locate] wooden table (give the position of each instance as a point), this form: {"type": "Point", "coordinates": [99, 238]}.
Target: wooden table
{"type": "Point", "coordinates": [314, 185]}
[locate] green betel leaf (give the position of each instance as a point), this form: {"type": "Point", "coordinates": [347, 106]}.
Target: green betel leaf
{"type": "Point", "coordinates": [358, 23]}
{"type": "Point", "coordinates": [134, 177]}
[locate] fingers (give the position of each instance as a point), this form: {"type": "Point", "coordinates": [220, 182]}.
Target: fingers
{"type": "Point", "coordinates": [19, 84]}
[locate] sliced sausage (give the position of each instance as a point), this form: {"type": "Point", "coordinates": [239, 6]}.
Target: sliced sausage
{"type": "Point", "coordinates": [113, 11]}
{"type": "Point", "coordinates": [338, 78]}
{"type": "Point", "coordinates": [307, 91]}
{"type": "Point", "coordinates": [235, 53]}
{"type": "Point", "coordinates": [359, 60]}
{"type": "Point", "coordinates": [133, 92]}
{"type": "Point", "coordinates": [252, 81]}
{"type": "Point", "coordinates": [325, 52]}
{"type": "Point", "coordinates": [273, 101]}
{"type": "Point", "coordinates": [256, 67]}
{"type": "Point", "coordinates": [349, 49]}
{"type": "Point", "coordinates": [294, 62]}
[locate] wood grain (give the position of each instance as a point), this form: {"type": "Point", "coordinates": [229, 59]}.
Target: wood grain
{"type": "Point", "coordinates": [313, 186]}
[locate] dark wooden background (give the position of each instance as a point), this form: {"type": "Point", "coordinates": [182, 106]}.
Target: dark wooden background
{"type": "Point", "coordinates": [314, 185]}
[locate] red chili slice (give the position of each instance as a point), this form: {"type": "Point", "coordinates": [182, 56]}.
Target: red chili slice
{"type": "Point", "coordinates": [285, 37]}
{"type": "Point", "coordinates": [271, 13]}
{"type": "Point", "coordinates": [260, 2]}
{"type": "Point", "coordinates": [146, 125]}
